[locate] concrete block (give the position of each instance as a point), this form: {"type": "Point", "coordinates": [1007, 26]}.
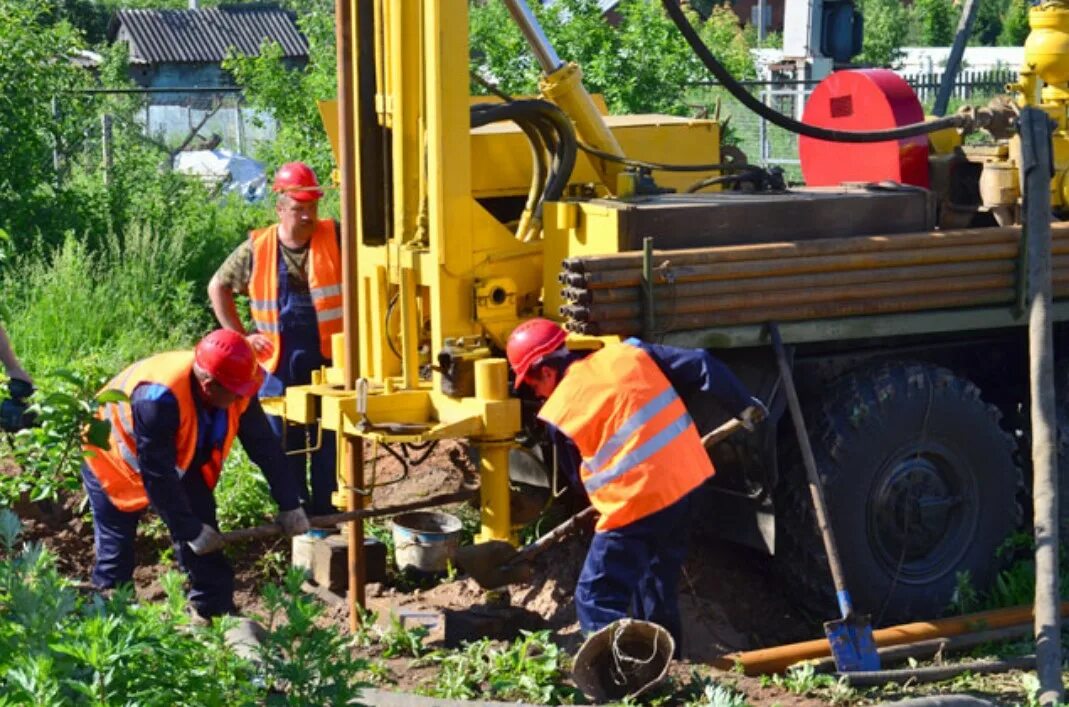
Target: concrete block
{"type": "Point", "coordinates": [302, 552]}
{"type": "Point", "coordinates": [328, 560]}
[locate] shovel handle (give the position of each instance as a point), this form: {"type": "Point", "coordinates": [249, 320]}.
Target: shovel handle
{"type": "Point", "coordinates": [329, 521]}
{"type": "Point", "coordinates": [816, 489]}
{"type": "Point", "coordinates": [531, 551]}
{"type": "Point", "coordinates": [722, 432]}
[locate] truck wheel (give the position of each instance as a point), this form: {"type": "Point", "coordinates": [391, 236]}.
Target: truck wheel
{"type": "Point", "coordinates": [1061, 387]}
{"type": "Point", "coordinates": [921, 483]}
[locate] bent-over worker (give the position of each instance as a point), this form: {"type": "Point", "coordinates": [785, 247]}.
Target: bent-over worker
{"type": "Point", "coordinates": [291, 272]}
{"type": "Point", "coordinates": [167, 447]}
{"type": "Point", "coordinates": [623, 434]}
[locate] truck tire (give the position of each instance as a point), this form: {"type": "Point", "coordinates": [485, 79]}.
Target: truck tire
{"type": "Point", "coordinates": [1061, 388]}
{"type": "Point", "coordinates": [921, 483]}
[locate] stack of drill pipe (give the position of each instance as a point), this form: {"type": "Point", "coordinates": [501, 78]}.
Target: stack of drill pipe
{"type": "Point", "coordinates": [815, 279]}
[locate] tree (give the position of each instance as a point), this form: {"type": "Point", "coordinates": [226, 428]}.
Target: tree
{"type": "Point", "coordinates": [988, 23]}
{"type": "Point", "coordinates": [936, 21]}
{"type": "Point", "coordinates": [35, 77]}
{"type": "Point", "coordinates": [641, 65]}
{"type": "Point", "coordinates": [290, 95]}
{"type": "Point", "coordinates": [1015, 27]}
{"type": "Point", "coordinates": [886, 26]}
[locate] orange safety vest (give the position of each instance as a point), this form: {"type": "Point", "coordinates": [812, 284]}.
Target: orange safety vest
{"type": "Point", "coordinates": [324, 284]}
{"type": "Point", "coordinates": [117, 468]}
{"type": "Point", "coordinates": [641, 451]}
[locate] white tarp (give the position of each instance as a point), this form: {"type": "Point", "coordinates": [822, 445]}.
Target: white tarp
{"type": "Point", "coordinates": [234, 172]}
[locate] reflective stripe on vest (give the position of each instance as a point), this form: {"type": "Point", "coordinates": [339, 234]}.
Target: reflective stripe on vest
{"type": "Point", "coordinates": [641, 451]}
{"type": "Point", "coordinates": [118, 468]}
{"type": "Point", "coordinates": [324, 286]}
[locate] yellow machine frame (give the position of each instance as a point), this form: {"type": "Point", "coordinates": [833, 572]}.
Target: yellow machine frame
{"type": "Point", "coordinates": [449, 274]}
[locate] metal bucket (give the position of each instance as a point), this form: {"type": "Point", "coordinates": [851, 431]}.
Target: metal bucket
{"type": "Point", "coordinates": [425, 540]}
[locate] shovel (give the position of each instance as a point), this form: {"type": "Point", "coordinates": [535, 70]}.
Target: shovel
{"type": "Point", "coordinates": [496, 563]}
{"type": "Point", "coordinates": [850, 638]}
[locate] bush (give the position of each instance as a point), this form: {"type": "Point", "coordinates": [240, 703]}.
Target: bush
{"type": "Point", "coordinates": [243, 496]}
{"type": "Point", "coordinates": [640, 66]}
{"type": "Point", "coordinates": [57, 648]}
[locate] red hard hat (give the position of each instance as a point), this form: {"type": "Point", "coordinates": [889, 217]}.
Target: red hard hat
{"type": "Point", "coordinates": [298, 181]}
{"type": "Point", "coordinates": [229, 359]}
{"type": "Point", "coordinates": [529, 342]}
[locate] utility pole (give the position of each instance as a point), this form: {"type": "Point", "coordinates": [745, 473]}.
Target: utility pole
{"type": "Point", "coordinates": [950, 71]}
{"type": "Point", "coordinates": [1035, 174]}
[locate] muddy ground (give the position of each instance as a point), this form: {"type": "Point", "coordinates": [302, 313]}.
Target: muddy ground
{"type": "Point", "coordinates": [729, 597]}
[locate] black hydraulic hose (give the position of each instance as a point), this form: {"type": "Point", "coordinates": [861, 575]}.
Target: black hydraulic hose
{"type": "Point", "coordinates": [776, 118]}
{"type": "Point", "coordinates": [541, 171]}
{"type": "Point", "coordinates": [591, 150]}
{"type": "Point", "coordinates": [722, 179]}
{"type": "Point", "coordinates": [661, 166]}
{"type": "Point", "coordinates": [545, 133]}
{"type": "Point", "coordinates": [566, 149]}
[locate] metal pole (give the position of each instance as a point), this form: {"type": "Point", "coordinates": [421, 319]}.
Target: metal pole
{"type": "Point", "coordinates": [761, 23]}
{"type": "Point", "coordinates": [1035, 171]}
{"type": "Point", "coordinates": [239, 126]}
{"type": "Point", "coordinates": [353, 446]}
{"type": "Point", "coordinates": [950, 72]}
{"type": "Point", "coordinates": [55, 143]}
{"type": "Point", "coordinates": [536, 38]}
{"type": "Point", "coordinates": [105, 142]}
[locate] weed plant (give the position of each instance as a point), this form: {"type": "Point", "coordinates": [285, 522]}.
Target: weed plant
{"type": "Point", "coordinates": [243, 497]}
{"type": "Point", "coordinates": [59, 648]}
{"type": "Point", "coordinates": [531, 669]}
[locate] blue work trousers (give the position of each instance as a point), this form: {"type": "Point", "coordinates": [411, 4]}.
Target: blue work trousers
{"type": "Point", "coordinates": [211, 576]}
{"type": "Point", "coordinates": [298, 357]}
{"type": "Point", "coordinates": [634, 570]}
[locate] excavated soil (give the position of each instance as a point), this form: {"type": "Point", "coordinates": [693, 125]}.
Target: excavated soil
{"type": "Point", "coordinates": [728, 599]}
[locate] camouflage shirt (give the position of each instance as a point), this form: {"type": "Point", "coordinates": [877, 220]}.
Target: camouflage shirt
{"type": "Point", "coordinates": [236, 270]}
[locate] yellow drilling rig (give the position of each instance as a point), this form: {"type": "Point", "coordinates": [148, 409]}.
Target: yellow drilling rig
{"type": "Point", "coordinates": [464, 215]}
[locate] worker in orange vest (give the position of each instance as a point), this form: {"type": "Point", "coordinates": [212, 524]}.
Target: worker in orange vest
{"type": "Point", "coordinates": [168, 440]}
{"type": "Point", "coordinates": [624, 437]}
{"type": "Point", "coordinates": [291, 272]}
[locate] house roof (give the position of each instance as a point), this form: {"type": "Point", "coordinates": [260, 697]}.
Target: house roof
{"type": "Point", "coordinates": [205, 35]}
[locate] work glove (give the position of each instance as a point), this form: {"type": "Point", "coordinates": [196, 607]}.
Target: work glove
{"type": "Point", "coordinates": [293, 522]}
{"type": "Point", "coordinates": [208, 541]}
{"type": "Point", "coordinates": [753, 414]}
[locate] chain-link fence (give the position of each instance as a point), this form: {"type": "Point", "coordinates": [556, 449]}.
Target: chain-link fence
{"type": "Point", "coordinates": [177, 122]}
{"type": "Point", "coordinates": [767, 144]}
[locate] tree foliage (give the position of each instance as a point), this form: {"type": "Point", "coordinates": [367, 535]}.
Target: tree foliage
{"type": "Point", "coordinates": [936, 22]}
{"type": "Point", "coordinates": [291, 95]}
{"type": "Point", "coordinates": [34, 74]}
{"type": "Point", "coordinates": [886, 27]}
{"type": "Point", "coordinates": [641, 65]}
{"type": "Point", "coordinates": [1014, 24]}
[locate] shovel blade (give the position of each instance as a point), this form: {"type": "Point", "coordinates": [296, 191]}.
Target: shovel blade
{"type": "Point", "coordinates": [852, 644]}
{"type": "Point", "coordinates": [488, 564]}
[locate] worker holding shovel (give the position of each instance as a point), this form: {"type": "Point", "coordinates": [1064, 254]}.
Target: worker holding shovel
{"type": "Point", "coordinates": [169, 437]}
{"type": "Point", "coordinates": [623, 434]}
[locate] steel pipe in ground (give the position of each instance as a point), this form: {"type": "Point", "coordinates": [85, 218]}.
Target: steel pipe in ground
{"type": "Point", "coordinates": [776, 659]}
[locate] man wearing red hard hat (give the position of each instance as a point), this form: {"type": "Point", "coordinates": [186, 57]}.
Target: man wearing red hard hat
{"type": "Point", "coordinates": [168, 441]}
{"type": "Point", "coordinates": [619, 422]}
{"type": "Point", "coordinates": [291, 272]}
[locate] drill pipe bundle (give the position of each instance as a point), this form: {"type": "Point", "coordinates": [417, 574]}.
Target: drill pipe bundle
{"type": "Point", "coordinates": [746, 284]}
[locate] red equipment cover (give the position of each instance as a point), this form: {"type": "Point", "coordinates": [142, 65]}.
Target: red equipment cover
{"type": "Point", "coordinates": [857, 100]}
